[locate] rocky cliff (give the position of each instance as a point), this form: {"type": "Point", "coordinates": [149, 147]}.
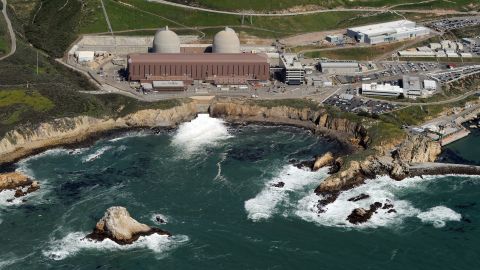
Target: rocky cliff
{"type": "Point", "coordinates": [414, 149]}
{"type": "Point", "coordinates": [25, 141]}
{"type": "Point", "coordinates": [316, 119]}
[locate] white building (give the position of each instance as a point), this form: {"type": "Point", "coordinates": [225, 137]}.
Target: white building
{"type": "Point", "coordinates": [387, 32]}
{"type": "Point", "coordinates": [85, 56]}
{"type": "Point", "coordinates": [412, 86]}
{"type": "Point", "coordinates": [293, 71]}
{"type": "Point", "coordinates": [430, 85]}
{"type": "Point", "coordinates": [386, 90]}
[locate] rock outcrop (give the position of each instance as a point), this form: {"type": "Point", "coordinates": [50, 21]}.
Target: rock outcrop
{"type": "Point", "coordinates": [324, 160]}
{"type": "Point", "coordinates": [119, 226]}
{"type": "Point", "coordinates": [415, 148]}
{"type": "Point", "coordinates": [25, 141]}
{"type": "Point", "coordinates": [362, 215]}
{"type": "Point", "coordinates": [21, 183]}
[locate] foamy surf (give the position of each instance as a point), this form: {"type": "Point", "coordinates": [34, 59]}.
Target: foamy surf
{"type": "Point", "coordinates": [75, 242]}
{"type": "Point", "coordinates": [382, 189]}
{"type": "Point", "coordinates": [97, 154]}
{"type": "Point", "coordinates": [201, 132]}
{"type": "Point", "coordinates": [267, 202]}
{"type": "Point", "coordinates": [439, 215]}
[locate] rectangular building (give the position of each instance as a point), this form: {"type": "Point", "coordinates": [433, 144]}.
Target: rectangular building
{"type": "Point", "coordinates": [412, 86]}
{"type": "Point", "coordinates": [387, 32]}
{"type": "Point", "coordinates": [339, 67]}
{"type": "Point", "coordinates": [217, 68]}
{"type": "Point", "coordinates": [293, 71]}
{"type": "Point", "coordinates": [386, 90]}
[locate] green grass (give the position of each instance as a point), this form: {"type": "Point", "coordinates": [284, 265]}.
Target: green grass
{"type": "Point", "coordinates": [363, 53]}
{"type": "Point", "coordinates": [268, 5]}
{"type": "Point", "coordinates": [4, 36]}
{"type": "Point", "coordinates": [30, 98]}
{"type": "Point", "coordinates": [293, 103]}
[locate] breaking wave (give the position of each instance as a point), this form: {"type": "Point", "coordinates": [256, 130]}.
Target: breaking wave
{"type": "Point", "coordinates": [75, 242]}
{"type": "Point", "coordinates": [381, 189]}
{"type": "Point", "coordinates": [267, 202]}
{"type": "Point", "coordinates": [439, 215]}
{"type": "Point", "coordinates": [97, 154]}
{"type": "Point", "coordinates": [200, 132]}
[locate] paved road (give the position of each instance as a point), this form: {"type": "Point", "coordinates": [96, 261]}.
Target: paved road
{"type": "Point", "coordinates": [13, 38]}
{"type": "Point", "coordinates": [310, 11]}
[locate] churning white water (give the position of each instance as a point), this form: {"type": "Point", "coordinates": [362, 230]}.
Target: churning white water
{"type": "Point", "coordinates": [200, 132]}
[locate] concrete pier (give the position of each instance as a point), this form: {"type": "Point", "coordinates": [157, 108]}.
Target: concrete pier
{"type": "Point", "coordinates": [443, 168]}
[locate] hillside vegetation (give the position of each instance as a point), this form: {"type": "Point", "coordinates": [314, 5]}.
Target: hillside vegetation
{"type": "Point", "coordinates": [268, 5]}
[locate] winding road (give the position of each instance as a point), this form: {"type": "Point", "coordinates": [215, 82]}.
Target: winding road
{"type": "Point", "coordinates": [249, 13]}
{"type": "Point", "coordinates": [13, 39]}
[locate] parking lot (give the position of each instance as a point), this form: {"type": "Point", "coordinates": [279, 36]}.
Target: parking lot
{"type": "Point", "coordinates": [355, 104]}
{"type": "Point", "coordinates": [454, 74]}
{"type": "Point", "coordinates": [454, 23]}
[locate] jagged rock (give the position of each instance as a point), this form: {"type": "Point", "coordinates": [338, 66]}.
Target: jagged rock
{"type": "Point", "coordinates": [392, 211]}
{"type": "Point", "coordinates": [118, 226]}
{"type": "Point", "coordinates": [328, 199]}
{"type": "Point", "coordinates": [336, 166]}
{"type": "Point", "coordinates": [362, 215]}
{"type": "Point", "coordinates": [279, 185]}
{"type": "Point", "coordinates": [360, 197]}
{"type": "Point", "coordinates": [14, 180]}
{"type": "Point", "coordinates": [387, 206]}
{"type": "Point", "coordinates": [326, 159]}
{"type": "Point", "coordinates": [418, 149]}
{"type": "Point", "coordinates": [399, 171]}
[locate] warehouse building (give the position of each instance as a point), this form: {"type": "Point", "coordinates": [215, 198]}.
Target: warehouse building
{"type": "Point", "coordinates": [338, 67]}
{"type": "Point", "coordinates": [387, 32]}
{"type": "Point", "coordinates": [226, 65]}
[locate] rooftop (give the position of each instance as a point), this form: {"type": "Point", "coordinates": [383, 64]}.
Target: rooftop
{"type": "Point", "coordinates": [189, 58]}
{"type": "Point", "coordinates": [386, 28]}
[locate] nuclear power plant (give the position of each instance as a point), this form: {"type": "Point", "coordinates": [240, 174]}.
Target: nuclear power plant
{"type": "Point", "coordinates": [221, 63]}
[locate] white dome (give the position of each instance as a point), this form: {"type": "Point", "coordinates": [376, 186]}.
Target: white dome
{"type": "Point", "coordinates": [226, 41]}
{"type": "Point", "coordinates": [166, 41]}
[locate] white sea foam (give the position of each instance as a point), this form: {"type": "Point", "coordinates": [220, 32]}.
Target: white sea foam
{"type": "Point", "coordinates": [129, 135]}
{"type": "Point", "coordinates": [382, 189]}
{"type": "Point", "coordinates": [439, 215]}
{"type": "Point", "coordinates": [75, 242]}
{"type": "Point", "coordinates": [97, 153]}
{"type": "Point", "coordinates": [267, 202]}
{"type": "Point", "coordinates": [200, 132]}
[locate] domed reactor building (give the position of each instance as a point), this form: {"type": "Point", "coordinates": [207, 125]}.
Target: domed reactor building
{"type": "Point", "coordinates": [222, 64]}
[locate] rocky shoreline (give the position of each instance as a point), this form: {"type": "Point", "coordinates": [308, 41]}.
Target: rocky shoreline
{"type": "Point", "coordinates": [20, 183]}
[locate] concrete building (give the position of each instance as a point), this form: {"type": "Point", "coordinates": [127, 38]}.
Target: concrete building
{"type": "Point", "coordinates": [412, 87]}
{"type": "Point", "coordinates": [387, 32]}
{"type": "Point", "coordinates": [430, 85]}
{"type": "Point", "coordinates": [85, 56]}
{"type": "Point", "coordinates": [339, 67]}
{"type": "Point", "coordinates": [293, 71]}
{"type": "Point", "coordinates": [334, 39]}
{"type": "Point", "coordinates": [226, 41]}
{"type": "Point", "coordinates": [386, 90]}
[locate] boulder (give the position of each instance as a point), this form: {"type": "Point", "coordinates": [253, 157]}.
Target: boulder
{"type": "Point", "coordinates": [119, 226]}
{"type": "Point", "coordinates": [14, 180]}
{"type": "Point", "coordinates": [326, 159]}
{"type": "Point", "coordinates": [362, 215]}
{"type": "Point", "coordinates": [279, 185]}
{"type": "Point", "coordinates": [360, 197]}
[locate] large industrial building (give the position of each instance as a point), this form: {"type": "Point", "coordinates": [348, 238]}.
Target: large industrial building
{"type": "Point", "coordinates": [387, 32]}
{"type": "Point", "coordinates": [223, 63]}
{"type": "Point", "coordinates": [293, 70]}
{"type": "Point", "coordinates": [339, 67]}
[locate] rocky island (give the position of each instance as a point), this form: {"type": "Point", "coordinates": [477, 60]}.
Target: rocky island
{"type": "Point", "coordinates": [19, 182]}
{"type": "Point", "coordinates": [118, 226]}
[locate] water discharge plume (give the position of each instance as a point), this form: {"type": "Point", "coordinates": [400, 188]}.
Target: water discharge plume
{"type": "Point", "coordinates": [201, 132]}
{"type": "Point", "coordinates": [439, 215]}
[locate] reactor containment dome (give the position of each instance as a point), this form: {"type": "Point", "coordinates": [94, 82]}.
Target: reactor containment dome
{"type": "Point", "coordinates": [166, 41]}
{"type": "Point", "coordinates": [226, 41]}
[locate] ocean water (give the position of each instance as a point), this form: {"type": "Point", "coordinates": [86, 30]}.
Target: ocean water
{"type": "Point", "coordinates": [212, 183]}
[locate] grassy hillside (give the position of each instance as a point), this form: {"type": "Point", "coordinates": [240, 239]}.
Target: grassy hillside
{"type": "Point", "coordinates": [287, 4]}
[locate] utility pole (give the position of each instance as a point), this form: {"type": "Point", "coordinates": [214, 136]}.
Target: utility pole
{"type": "Point", "coordinates": [37, 62]}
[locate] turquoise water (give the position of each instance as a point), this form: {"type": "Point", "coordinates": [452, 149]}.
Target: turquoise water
{"type": "Point", "coordinates": [212, 183]}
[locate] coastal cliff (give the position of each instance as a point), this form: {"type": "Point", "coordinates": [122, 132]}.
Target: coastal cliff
{"type": "Point", "coordinates": [315, 118]}
{"type": "Point", "coordinates": [413, 149]}
{"type": "Point", "coordinates": [25, 141]}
